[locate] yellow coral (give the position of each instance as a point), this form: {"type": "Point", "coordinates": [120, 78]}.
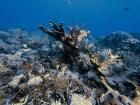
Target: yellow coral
{"type": "Point", "coordinates": [113, 57]}
{"type": "Point", "coordinates": [82, 35]}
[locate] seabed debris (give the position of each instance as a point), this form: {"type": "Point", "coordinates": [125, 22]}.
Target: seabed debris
{"type": "Point", "coordinates": [70, 70]}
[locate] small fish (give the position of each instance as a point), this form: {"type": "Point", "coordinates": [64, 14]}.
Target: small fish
{"type": "Point", "coordinates": [26, 66]}
{"type": "Point", "coordinates": [126, 9]}
{"type": "Point", "coordinates": [109, 21]}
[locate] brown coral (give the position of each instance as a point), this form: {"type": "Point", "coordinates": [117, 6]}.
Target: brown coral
{"type": "Point", "coordinates": [70, 40]}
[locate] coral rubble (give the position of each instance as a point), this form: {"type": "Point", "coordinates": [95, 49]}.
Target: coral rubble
{"type": "Point", "coordinates": [70, 70]}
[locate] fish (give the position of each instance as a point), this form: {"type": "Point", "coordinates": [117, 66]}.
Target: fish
{"type": "Point", "coordinates": [26, 67]}
{"type": "Point", "coordinates": [69, 2]}
{"type": "Point", "coordinates": [126, 9]}
{"type": "Point", "coordinates": [109, 21]}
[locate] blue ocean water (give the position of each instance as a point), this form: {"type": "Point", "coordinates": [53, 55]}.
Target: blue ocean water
{"type": "Point", "coordinates": [98, 16]}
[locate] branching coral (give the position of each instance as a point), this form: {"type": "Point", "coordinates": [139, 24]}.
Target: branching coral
{"type": "Point", "coordinates": [70, 40]}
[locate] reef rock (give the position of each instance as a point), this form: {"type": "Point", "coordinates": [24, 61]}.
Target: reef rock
{"type": "Point", "coordinates": [35, 80]}
{"type": "Point", "coordinates": [121, 41]}
{"type": "Point", "coordinates": [2, 68]}
{"type": "Point", "coordinates": [16, 80]}
{"type": "Point", "coordinates": [80, 100]}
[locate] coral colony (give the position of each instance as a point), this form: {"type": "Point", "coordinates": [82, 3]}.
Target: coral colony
{"type": "Point", "coordinates": [67, 67]}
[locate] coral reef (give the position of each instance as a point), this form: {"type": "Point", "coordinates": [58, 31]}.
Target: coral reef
{"type": "Point", "coordinates": [70, 70]}
{"type": "Point", "coordinates": [121, 41]}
